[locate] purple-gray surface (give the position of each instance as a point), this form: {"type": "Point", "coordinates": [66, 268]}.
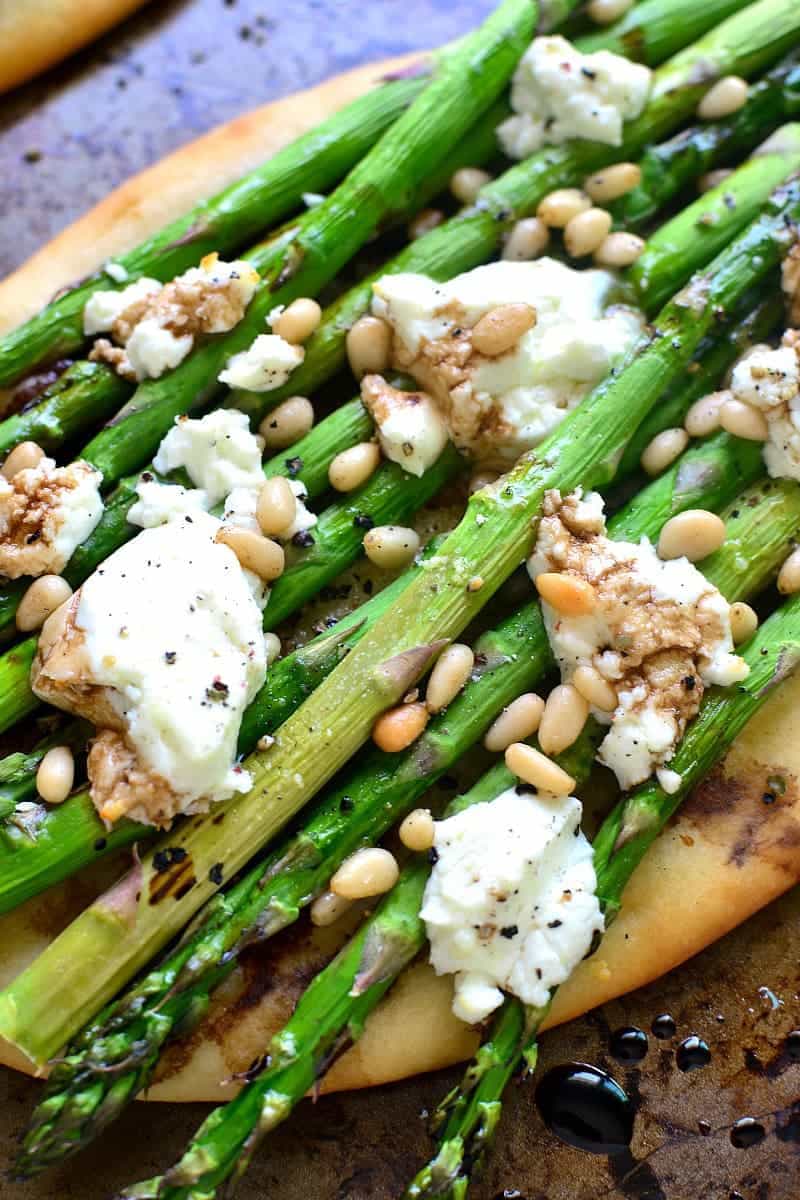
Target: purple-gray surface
{"type": "Point", "coordinates": [160, 79]}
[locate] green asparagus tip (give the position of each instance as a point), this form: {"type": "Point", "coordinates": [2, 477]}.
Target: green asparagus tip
{"type": "Point", "coordinates": [636, 820]}
{"type": "Point", "coordinates": [441, 1176]}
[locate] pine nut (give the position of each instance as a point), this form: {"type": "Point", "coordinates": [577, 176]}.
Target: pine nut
{"type": "Point", "coordinates": [354, 466]}
{"type": "Point", "coordinates": [712, 179]}
{"type": "Point", "coordinates": [619, 250]}
{"type": "Point", "coordinates": [516, 723]}
{"type": "Point", "coordinates": [694, 534]}
{"type": "Point", "coordinates": [328, 908]}
{"type": "Point", "coordinates": [424, 222]}
{"type": "Point", "coordinates": [55, 775]}
{"type": "Point", "coordinates": [417, 831]}
{"type": "Point", "coordinates": [43, 597]}
{"type": "Point", "coordinates": [564, 716]}
{"type": "Point", "coordinates": [789, 575]}
{"type": "Point", "coordinates": [255, 553]}
{"type": "Point", "coordinates": [527, 240]}
{"type": "Point", "coordinates": [369, 872]}
{"type": "Point", "coordinates": [703, 417]}
{"type": "Point", "coordinates": [467, 182]}
{"type": "Point", "coordinates": [391, 546]}
{"type": "Point", "coordinates": [744, 622]}
{"type": "Point", "coordinates": [368, 343]}
{"type": "Point", "coordinates": [535, 768]}
{"type": "Point", "coordinates": [613, 182]}
{"type": "Point", "coordinates": [452, 670]}
{"type": "Point", "coordinates": [727, 96]}
{"type": "Point", "coordinates": [398, 727]}
{"type": "Point", "coordinates": [594, 688]}
{"type": "Point", "coordinates": [272, 647]}
{"type": "Point", "coordinates": [500, 328]}
{"type": "Point", "coordinates": [663, 450]}
{"type": "Point", "coordinates": [21, 458]}
{"type": "Point", "coordinates": [559, 207]}
{"type": "Point", "coordinates": [276, 506]}
{"type": "Point", "coordinates": [605, 12]}
{"type": "Point", "coordinates": [570, 596]}
{"type": "Point", "coordinates": [482, 479]}
{"type": "Point", "coordinates": [743, 421]}
{"type": "Point", "coordinates": [287, 423]}
{"type": "Point", "coordinates": [298, 320]}
{"type": "Point", "coordinates": [586, 233]}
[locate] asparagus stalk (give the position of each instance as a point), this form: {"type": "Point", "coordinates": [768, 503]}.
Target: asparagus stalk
{"type": "Point", "coordinates": [469, 1114]}
{"type": "Point", "coordinates": [377, 791]}
{"type": "Point", "coordinates": [652, 31]}
{"type": "Point", "coordinates": [117, 934]}
{"type": "Point", "coordinates": [18, 775]}
{"type": "Point", "coordinates": [83, 394]}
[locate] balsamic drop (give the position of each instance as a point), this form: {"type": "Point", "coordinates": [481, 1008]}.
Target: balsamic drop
{"type": "Point", "coordinates": [747, 1132]}
{"type": "Point", "coordinates": [692, 1054]}
{"type": "Point", "coordinates": [628, 1044]}
{"type": "Point", "coordinates": [793, 1045]}
{"type": "Point", "coordinates": [586, 1108]}
{"type": "Point", "coordinates": [663, 1027]}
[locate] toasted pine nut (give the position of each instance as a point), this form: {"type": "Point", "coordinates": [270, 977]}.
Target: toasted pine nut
{"type": "Point", "coordinates": [55, 775]}
{"type": "Point", "coordinates": [21, 458]}
{"type": "Point", "coordinates": [467, 182]}
{"type": "Point", "coordinates": [368, 343]}
{"type": "Point", "coordinates": [564, 716]}
{"type": "Point", "coordinates": [452, 670]}
{"type": "Point", "coordinates": [43, 597]}
{"type": "Point", "coordinates": [328, 908]}
{"type": "Point", "coordinates": [704, 415]}
{"type": "Point", "coordinates": [298, 320]}
{"type": "Point", "coordinates": [398, 727]}
{"type": "Point", "coordinates": [605, 12]}
{"type": "Point", "coordinates": [569, 595]}
{"type": "Point", "coordinates": [744, 621]}
{"type": "Point", "coordinates": [535, 768]}
{"type": "Point", "coordinates": [482, 479]}
{"type": "Point", "coordinates": [528, 239]}
{"type": "Point", "coordinates": [619, 250]}
{"type": "Point", "coordinates": [424, 222]}
{"type": "Point", "coordinates": [695, 534]}
{"type": "Point", "coordinates": [367, 872]}
{"type": "Point", "coordinates": [594, 688]}
{"type": "Point", "coordinates": [744, 421]}
{"type": "Point", "coordinates": [613, 182]}
{"type": "Point", "coordinates": [712, 179]}
{"type": "Point", "coordinates": [272, 647]}
{"type": "Point", "coordinates": [391, 546]}
{"type": "Point", "coordinates": [255, 552]}
{"type": "Point", "coordinates": [515, 723]}
{"type": "Point", "coordinates": [727, 96]}
{"type": "Point", "coordinates": [416, 832]}
{"type": "Point", "coordinates": [558, 208]}
{"type": "Point", "coordinates": [663, 450]}
{"type": "Point", "coordinates": [287, 423]}
{"type": "Point", "coordinates": [789, 574]}
{"type": "Point", "coordinates": [500, 328]}
{"type": "Point", "coordinates": [276, 506]}
{"type": "Point", "coordinates": [586, 232]}
{"type": "Point", "coordinates": [354, 466]}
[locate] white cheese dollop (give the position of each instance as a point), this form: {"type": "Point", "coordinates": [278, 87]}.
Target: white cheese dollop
{"type": "Point", "coordinates": [46, 512]}
{"type": "Point", "coordinates": [158, 503]}
{"type": "Point", "coordinates": [266, 364]}
{"type": "Point", "coordinates": [152, 349]}
{"type": "Point", "coordinates": [510, 903]}
{"type": "Point", "coordinates": [217, 451]}
{"type": "Point", "coordinates": [769, 380]}
{"type": "Point", "coordinates": [411, 430]}
{"type": "Point", "coordinates": [558, 93]}
{"type": "Point", "coordinates": [104, 307]}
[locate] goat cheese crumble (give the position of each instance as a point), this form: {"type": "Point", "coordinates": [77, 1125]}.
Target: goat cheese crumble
{"type": "Point", "coordinates": [510, 904]}
{"type": "Point", "coordinates": [46, 512]}
{"type": "Point", "coordinates": [218, 452]}
{"type": "Point", "coordinates": [659, 633]}
{"type": "Point", "coordinates": [266, 364]}
{"type": "Point", "coordinates": [558, 93]}
{"type": "Point", "coordinates": [769, 381]}
{"type": "Point", "coordinates": [497, 407]}
{"type": "Point", "coordinates": [410, 428]}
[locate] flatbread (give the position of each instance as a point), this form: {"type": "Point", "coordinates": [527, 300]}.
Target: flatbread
{"type": "Point", "coordinates": [34, 34]}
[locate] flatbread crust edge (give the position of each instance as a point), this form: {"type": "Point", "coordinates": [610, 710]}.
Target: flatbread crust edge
{"type": "Point", "coordinates": [35, 34]}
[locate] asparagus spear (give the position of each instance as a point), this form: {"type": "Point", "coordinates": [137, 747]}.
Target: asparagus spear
{"type": "Point", "coordinates": [653, 31]}
{"type": "Point", "coordinates": [469, 1114]}
{"type": "Point", "coordinates": [83, 394]}
{"type": "Point", "coordinates": [379, 790]}
{"type": "Point", "coordinates": [94, 956]}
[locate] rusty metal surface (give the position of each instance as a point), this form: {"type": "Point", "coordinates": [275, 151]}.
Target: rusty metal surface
{"type": "Point", "coordinates": [160, 79]}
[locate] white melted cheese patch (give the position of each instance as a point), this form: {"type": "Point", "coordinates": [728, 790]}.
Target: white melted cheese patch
{"type": "Point", "coordinates": [769, 380]}
{"type": "Point", "coordinates": [217, 451]}
{"type": "Point", "coordinates": [558, 93]}
{"type": "Point", "coordinates": [266, 364]}
{"type": "Point", "coordinates": [510, 904]}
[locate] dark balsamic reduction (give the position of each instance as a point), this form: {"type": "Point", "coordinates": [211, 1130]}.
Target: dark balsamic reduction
{"type": "Point", "coordinates": [692, 1054]}
{"type": "Point", "coordinates": [628, 1044]}
{"type": "Point", "coordinates": [793, 1045]}
{"type": "Point", "coordinates": [746, 1132]}
{"type": "Point", "coordinates": [663, 1027]}
{"type": "Point", "coordinates": [586, 1108]}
